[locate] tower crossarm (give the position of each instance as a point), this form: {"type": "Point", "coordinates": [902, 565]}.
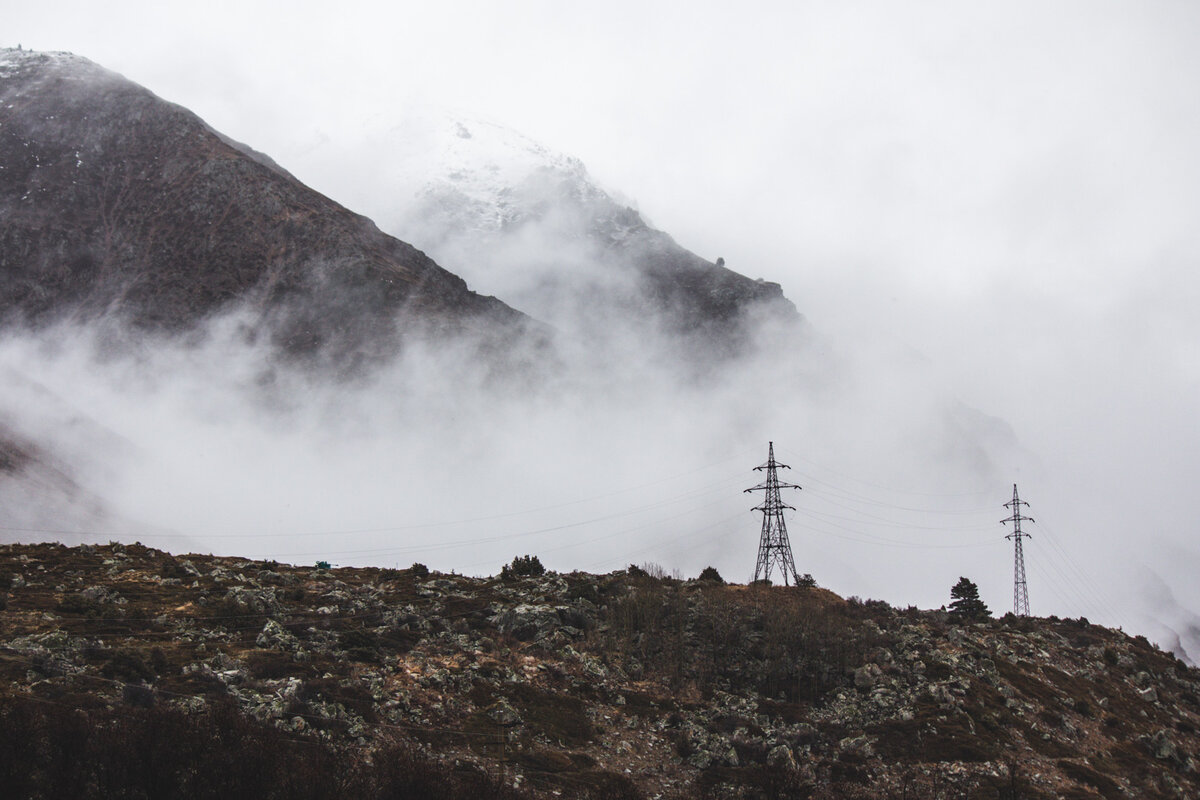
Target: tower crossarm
{"type": "Point", "coordinates": [769, 507]}
{"type": "Point", "coordinates": [768, 485]}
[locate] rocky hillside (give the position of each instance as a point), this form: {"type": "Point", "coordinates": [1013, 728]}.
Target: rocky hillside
{"type": "Point", "coordinates": [126, 671]}
{"type": "Point", "coordinates": [115, 201]}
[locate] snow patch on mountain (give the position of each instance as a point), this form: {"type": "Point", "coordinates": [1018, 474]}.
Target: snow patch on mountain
{"type": "Point", "coordinates": [401, 168]}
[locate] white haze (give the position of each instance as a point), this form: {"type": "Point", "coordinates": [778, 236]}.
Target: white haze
{"type": "Point", "coordinates": [1003, 194]}
{"type": "Point", "coordinates": [616, 460]}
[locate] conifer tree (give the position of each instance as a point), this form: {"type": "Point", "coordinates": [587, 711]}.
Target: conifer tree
{"type": "Point", "coordinates": [965, 603]}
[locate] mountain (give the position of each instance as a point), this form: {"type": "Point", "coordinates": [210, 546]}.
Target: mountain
{"type": "Point", "coordinates": [131, 226]}
{"type": "Point", "coordinates": [532, 226]}
{"type": "Point", "coordinates": [154, 273]}
{"type": "Point", "coordinates": [411, 684]}
{"type": "Point", "coordinates": [116, 202]}
{"type": "Point", "coordinates": [119, 203]}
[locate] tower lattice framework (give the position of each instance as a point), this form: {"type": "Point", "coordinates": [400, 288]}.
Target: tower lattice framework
{"type": "Point", "coordinates": [773, 545]}
{"type": "Point", "coordinates": [1020, 589]}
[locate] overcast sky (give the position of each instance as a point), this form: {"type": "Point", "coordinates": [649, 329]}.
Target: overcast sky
{"type": "Point", "coordinates": [1011, 189]}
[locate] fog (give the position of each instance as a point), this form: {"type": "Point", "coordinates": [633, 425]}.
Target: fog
{"type": "Point", "coordinates": [625, 456]}
{"type": "Point", "coordinates": [993, 205]}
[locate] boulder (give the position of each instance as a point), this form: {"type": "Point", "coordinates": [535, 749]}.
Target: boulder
{"type": "Point", "coordinates": [867, 676]}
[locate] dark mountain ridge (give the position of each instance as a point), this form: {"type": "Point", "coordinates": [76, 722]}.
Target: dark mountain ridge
{"type": "Point", "coordinates": [117, 202]}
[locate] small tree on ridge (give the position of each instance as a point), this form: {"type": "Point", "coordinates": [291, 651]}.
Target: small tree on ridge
{"type": "Point", "coordinates": [966, 604]}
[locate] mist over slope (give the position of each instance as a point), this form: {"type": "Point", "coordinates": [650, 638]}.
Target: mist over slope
{"type": "Point", "coordinates": [875, 415]}
{"type": "Point", "coordinates": [631, 441]}
{"type": "Point", "coordinates": [531, 225]}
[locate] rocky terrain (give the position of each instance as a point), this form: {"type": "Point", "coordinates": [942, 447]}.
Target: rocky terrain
{"type": "Point", "coordinates": [130, 672]}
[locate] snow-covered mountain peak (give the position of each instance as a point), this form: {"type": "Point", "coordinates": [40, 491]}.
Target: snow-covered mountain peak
{"type": "Point", "coordinates": [482, 156]}
{"type": "Point", "coordinates": [411, 163]}
{"type": "Point", "coordinates": [496, 176]}
{"type": "Point", "coordinates": [521, 221]}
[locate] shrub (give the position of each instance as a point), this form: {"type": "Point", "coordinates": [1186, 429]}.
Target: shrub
{"type": "Point", "coordinates": [711, 574]}
{"type": "Point", "coordinates": [78, 604]}
{"type": "Point", "coordinates": [138, 695]}
{"type": "Point", "coordinates": [357, 638]}
{"type": "Point", "coordinates": [419, 570]}
{"type": "Point", "coordinates": [148, 749]}
{"type": "Point", "coordinates": [656, 571]}
{"type": "Point", "coordinates": [523, 567]}
{"type": "Point", "coordinates": [128, 665]}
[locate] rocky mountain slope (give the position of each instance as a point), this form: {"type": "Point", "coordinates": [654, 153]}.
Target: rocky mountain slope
{"type": "Point", "coordinates": [402, 683]}
{"type": "Point", "coordinates": [115, 201]}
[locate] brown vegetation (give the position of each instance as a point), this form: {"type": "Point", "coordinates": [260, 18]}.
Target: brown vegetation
{"type": "Point", "coordinates": [380, 682]}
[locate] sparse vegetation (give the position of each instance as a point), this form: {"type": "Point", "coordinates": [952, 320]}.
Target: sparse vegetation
{"type": "Point", "coordinates": [697, 688]}
{"type": "Point", "coordinates": [140, 750]}
{"type": "Point", "coordinates": [523, 567]}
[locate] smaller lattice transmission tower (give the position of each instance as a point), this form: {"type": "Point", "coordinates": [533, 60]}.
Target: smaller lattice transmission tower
{"type": "Point", "coordinates": [773, 545]}
{"type": "Point", "coordinates": [1020, 590]}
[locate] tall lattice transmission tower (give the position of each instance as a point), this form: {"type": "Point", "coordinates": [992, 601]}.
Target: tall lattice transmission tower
{"type": "Point", "coordinates": [773, 545]}
{"type": "Point", "coordinates": [1020, 590]}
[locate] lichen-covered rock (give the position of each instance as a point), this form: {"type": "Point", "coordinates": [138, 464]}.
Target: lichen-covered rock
{"type": "Point", "coordinates": [503, 714]}
{"type": "Point", "coordinates": [781, 756]}
{"type": "Point", "coordinates": [867, 676]}
{"type": "Point", "coordinates": [529, 623]}
{"type": "Point", "coordinates": [1163, 747]}
{"type": "Point", "coordinates": [275, 635]}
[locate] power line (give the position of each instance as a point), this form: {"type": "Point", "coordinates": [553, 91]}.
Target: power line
{"type": "Point", "coordinates": [381, 529]}
{"type": "Point", "coordinates": [846, 494]}
{"type": "Point", "coordinates": [872, 539]}
{"type": "Point", "coordinates": [832, 471]}
{"type": "Point", "coordinates": [888, 522]}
